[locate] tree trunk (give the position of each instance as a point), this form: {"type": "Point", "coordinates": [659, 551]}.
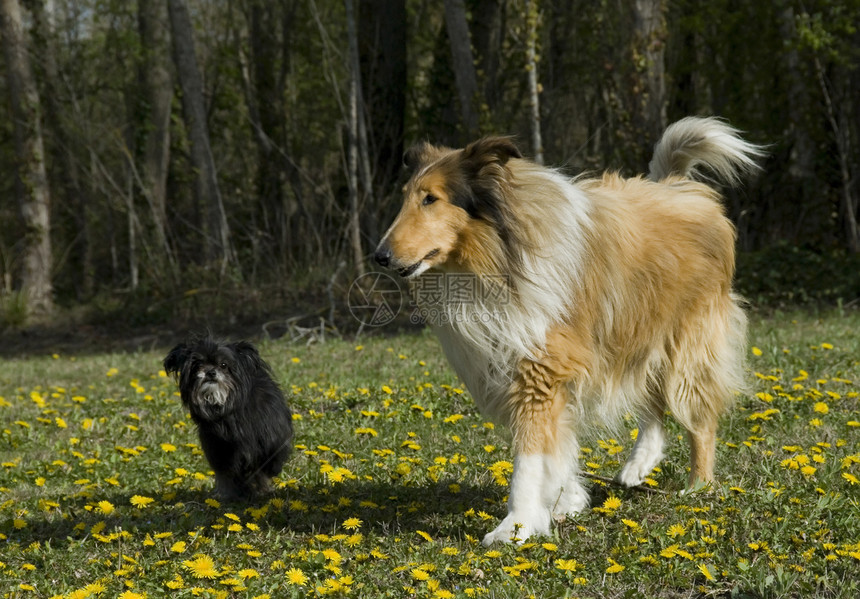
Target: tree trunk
{"type": "Point", "coordinates": [532, 68]}
{"type": "Point", "coordinates": [64, 168]}
{"type": "Point", "coordinates": [31, 181]}
{"type": "Point", "coordinates": [382, 45]}
{"type": "Point", "coordinates": [847, 201]}
{"type": "Point", "coordinates": [353, 150]}
{"type": "Point", "coordinates": [464, 65]}
{"type": "Point", "coordinates": [487, 36]}
{"type": "Point", "coordinates": [158, 94]}
{"type": "Point", "coordinates": [648, 85]}
{"type": "Point", "coordinates": [208, 195]}
{"type": "Point", "coordinates": [269, 121]}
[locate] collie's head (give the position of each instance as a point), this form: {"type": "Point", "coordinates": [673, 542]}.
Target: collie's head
{"type": "Point", "coordinates": [455, 211]}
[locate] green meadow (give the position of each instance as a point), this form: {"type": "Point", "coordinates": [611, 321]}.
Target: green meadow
{"type": "Point", "coordinates": [395, 477]}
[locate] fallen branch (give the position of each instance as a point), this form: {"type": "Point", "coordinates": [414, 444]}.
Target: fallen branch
{"type": "Point", "coordinates": [612, 481]}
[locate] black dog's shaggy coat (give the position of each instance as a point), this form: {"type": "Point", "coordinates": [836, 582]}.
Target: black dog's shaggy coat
{"type": "Point", "coordinates": [243, 420]}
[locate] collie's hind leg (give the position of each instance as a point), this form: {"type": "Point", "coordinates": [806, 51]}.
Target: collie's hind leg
{"type": "Point", "coordinates": [708, 370]}
{"type": "Point", "coordinates": [703, 443]}
{"type": "Point", "coordinates": [697, 407]}
{"type": "Point", "coordinates": [648, 449]}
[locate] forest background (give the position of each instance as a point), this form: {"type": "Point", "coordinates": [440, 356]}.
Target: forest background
{"type": "Point", "coordinates": [165, 159]}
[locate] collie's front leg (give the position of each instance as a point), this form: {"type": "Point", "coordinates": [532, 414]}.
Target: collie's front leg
{"type": "Point", "coordinates": [527, 512]}
{"type": "Point", "coordinates": [544, 481]}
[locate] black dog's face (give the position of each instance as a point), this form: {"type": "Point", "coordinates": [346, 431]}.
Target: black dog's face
{"type": "Point", "coordinates": [212, 376]}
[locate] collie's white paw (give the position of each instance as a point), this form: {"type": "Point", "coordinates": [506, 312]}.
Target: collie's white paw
{"type": "Point", "coordinates": [572, 501]}
{"type": "Point", "coordinates": [631, 475]}
{"type": "Point", "coordinates": [638, 467]}
{"type": "Point", "coordinates": [517, 528]}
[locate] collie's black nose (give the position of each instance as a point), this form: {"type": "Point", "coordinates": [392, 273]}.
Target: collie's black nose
{"type": "Point", "coordinates": [383, 255]}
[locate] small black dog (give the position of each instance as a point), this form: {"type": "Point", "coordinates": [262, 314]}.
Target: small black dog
{"type": "Point", "coordinates": [245, 426]}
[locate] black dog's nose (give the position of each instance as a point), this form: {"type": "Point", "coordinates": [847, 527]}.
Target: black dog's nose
{"type": "Point", "coordinates": [383, 255]}
{"type": "Point", "coordinates": [211, 374]}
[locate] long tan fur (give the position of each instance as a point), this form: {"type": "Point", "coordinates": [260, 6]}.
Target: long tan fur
{"type": "Point", "coordinates": [619, 299]}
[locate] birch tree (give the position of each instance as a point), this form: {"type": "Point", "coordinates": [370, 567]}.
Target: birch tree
{"type": "Point", "coordinates": [157, 88]}
{"type": "Point", "coordinates": [31, 183]}
{"type": "Point", "coordinates": [207, 192]}
{"type": "Point", "coordinates": [354, 150]}
{"type": "Point", "coordinates": [648, 85]}
{"type": "Point", "coordinates": [532, 69]}
{"type": "Point", "coordinates": [464, 64]}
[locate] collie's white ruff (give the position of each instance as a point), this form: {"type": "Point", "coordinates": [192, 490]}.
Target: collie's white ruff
{"type": "Point", "coordinates": [620, 301]}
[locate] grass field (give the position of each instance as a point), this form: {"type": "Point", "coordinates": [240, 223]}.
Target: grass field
{"type": "Point", "coordinates": [396, 477]}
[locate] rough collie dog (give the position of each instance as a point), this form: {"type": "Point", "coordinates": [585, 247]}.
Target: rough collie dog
{"type": "Point", "coordinates": [618, 300]}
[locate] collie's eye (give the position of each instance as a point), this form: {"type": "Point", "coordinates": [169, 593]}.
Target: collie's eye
{"type": "Point", "coordinates": [428, 199]}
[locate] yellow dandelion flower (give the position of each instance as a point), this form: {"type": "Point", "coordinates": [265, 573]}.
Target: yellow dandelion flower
{"type": "Point", "coordinates": [612, 503]}
{"type": "Point", "coordinates": [178, 547]}
{"type": "Point", "coordinates": [132, 595]}
{"type": "Point", "coordinates": [420, 574]}
{"type": "Point", "coordinates": [614, 566]}
{"type": "Point", "coordinates": [424, 536]}
{"type": "Point", "coordinates": [202, 566]}
{"type": "Point", "coordinates": [352, 523]}
{"type": "Point", "coordinates": [248, 573]}
{"type": "Point", "coordinates": [567, 565]}
{"type": "Point", "coordinates": [704, 570]}
{"type": "Point", "coordinates": [105, 507]}
{"type": "Point", "coordinates": [850, 478]}
{"type": "Point", "coordinates": [140, 501]}
{"type": "Point", "coordinates": [168, 447]}
{"type": "Point", "coordinates": [756, 351]}
{"type": "Point", "coordinates": [296, 576]}
{"type": "Point", "coordinates": [676, 530]}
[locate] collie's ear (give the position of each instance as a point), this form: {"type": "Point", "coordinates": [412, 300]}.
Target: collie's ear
{"type": "Point", "coordinates": [490, 150]}
{"type": "Point", "coordinates": [175, 360]}
{"type": "Point", "coordinates": [417, 154]}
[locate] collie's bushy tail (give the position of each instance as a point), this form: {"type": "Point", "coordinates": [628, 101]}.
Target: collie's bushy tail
{"type": "Point", "coordinates": [696, 141]}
